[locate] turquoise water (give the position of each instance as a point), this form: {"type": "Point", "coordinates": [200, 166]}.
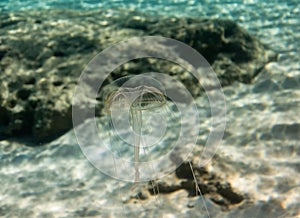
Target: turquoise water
{"type": "Point", "coordinates": [220, 8]}
{"type": "Point", "coordinates": [45, 181]}
{"type": "Point", "coordinates": [271, 21]}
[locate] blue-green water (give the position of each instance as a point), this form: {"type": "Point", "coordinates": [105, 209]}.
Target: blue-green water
{"type": "Point", "coordinates": [271, 21]}
{"type": "Point", "coordinates": [259, 154]}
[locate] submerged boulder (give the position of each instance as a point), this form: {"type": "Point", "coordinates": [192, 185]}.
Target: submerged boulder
{"type": "Point", "coordinates": [42, 54]}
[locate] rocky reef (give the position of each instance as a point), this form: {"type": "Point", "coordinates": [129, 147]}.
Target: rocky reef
{"type": "Point", "coordinates": [42, 54]}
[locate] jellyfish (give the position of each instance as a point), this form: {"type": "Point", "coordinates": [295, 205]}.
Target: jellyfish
{"type": "Point", "coordinates": [135, 95]}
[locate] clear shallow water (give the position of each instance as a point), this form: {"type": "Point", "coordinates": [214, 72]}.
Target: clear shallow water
{"type": "Point", "coordinates": [260, 156]}
{"type": "Point", "coordinates": [274, 22]}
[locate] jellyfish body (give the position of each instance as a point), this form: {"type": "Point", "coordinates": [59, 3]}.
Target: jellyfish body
{"type": "Point", "coordinates": [135, 94]}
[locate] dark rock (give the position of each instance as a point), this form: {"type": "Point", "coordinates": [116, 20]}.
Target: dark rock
{"type": "Point", "coordinates": [227, 47]}
{"type": "Point", "coordinates": [23, 94]}
{"type": "Point", "coordinates": [184, 171]}
{"type": "Point", "coordinates": [41, 58]}
{"type": "Point", "coordinates": [29, 81]}
{"type": "Point", "coordinates": [9, 22]}
{"type": "Point", "coordinates": [163, 188]}
{"type": "Point", "coordinates": [210, 185]}
{"type": "Point", "coordinates": [51, 122]}
{"type": "Point", "coordinates": [66, 45]}
{"type": "Point", "coordinates": [3, 51]}
{"type": "Point", "coordinates": [226, 191]}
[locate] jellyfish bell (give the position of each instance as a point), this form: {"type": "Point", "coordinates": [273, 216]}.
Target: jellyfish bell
{"type": "Point", "coordinates": [138, 98]}
{"type": "Point", "coordinates": [132, 96]}
{"type": "Point", "coordinates": [143, 92]}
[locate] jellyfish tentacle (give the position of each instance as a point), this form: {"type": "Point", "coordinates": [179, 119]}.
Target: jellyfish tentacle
{"type": "Point", "coordinates": [137, 128]}
{"type": "Point", "coordinates": [136, 95]}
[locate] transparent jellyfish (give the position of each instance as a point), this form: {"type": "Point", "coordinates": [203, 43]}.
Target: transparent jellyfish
{"type": "Point", "coordinates": [128, 102]}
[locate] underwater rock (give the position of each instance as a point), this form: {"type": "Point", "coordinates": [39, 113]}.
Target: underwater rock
{"type": "Point", "coordinates": [42, 54]}
{"type": "Point", "coordinates": [211, 186]}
